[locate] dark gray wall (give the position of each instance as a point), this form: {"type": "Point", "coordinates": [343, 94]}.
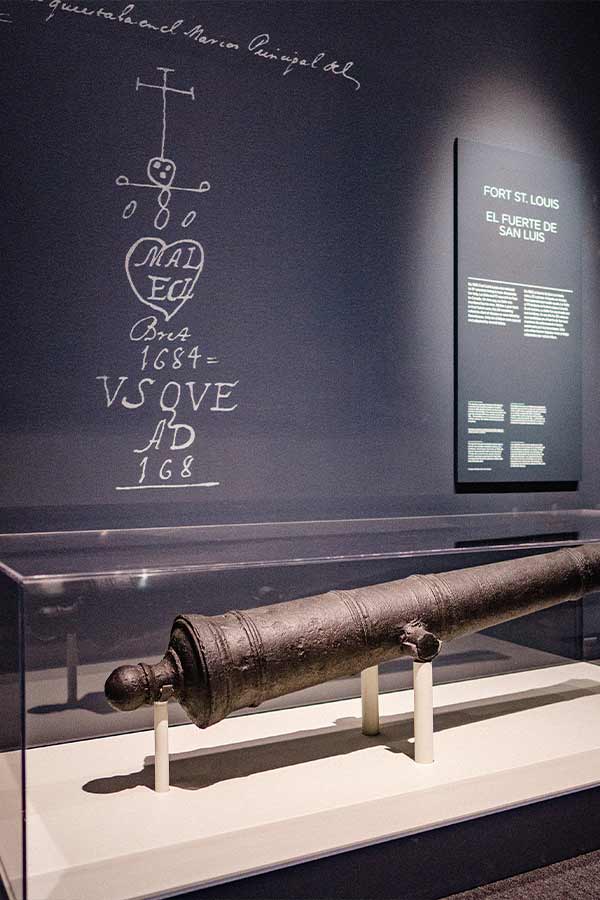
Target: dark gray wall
{"type": "Point", "coordinates": [327, 289]}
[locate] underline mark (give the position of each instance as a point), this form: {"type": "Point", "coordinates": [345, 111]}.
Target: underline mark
{"type": "Point", "coordinates": [145, 487]}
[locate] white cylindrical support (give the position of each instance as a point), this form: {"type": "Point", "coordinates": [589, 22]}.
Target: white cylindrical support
{"type": "Point", "coordinates": [423, 691]}
{"type": "Point", "coordinates": [72, 663]}
{"type": "Point", "coordinates": [369, 693]}
{"type": "Point", "coordinates": [161, 747]}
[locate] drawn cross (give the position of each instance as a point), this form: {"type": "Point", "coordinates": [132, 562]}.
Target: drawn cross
{"type": "Point", "coordinates": [164, 89]}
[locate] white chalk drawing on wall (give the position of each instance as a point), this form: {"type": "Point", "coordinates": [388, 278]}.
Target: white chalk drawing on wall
{"type": "Point", "coordinates": [5, 17]}
{"type": "Point", "coordinates": [169, 380]}
{"type": "Point", "coordinates": [160, 169]}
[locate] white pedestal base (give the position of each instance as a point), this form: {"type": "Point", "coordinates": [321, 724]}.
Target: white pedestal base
{"type": "Point", "coordinates": [161, 747]}
{"type": "Point", "coordinates": [369, 694]}
{"type": "Point", "coordinates": [423, 693]}
{"type": "Point", "coordinates": [258, 792]}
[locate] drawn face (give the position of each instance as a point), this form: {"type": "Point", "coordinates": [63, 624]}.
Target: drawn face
{"type": "Point", "coordinates": [161, 171]}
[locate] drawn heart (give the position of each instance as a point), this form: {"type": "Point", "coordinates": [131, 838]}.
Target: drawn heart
{"type": "Point", "coordinates": [163, 276]}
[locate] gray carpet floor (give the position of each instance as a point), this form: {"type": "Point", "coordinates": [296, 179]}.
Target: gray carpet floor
{"type": "Point", "coordinates": [573, 879]}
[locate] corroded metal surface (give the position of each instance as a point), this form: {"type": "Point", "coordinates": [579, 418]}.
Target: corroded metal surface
{"type": "Point", "coordinates": [217, 664]}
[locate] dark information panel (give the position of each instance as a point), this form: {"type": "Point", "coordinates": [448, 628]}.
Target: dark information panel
{"type": "Point", "coordinates": [518, 312]}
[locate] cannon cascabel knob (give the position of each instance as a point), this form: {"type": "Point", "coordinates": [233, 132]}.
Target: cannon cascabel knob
{"type": "Point", "coordinates": [130, 687]}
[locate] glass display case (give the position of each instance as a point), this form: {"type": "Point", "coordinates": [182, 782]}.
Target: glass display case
{"type": "Point", "coordinates": [299, 296]}
{"type": "Point", "coordinates": [77, 604]}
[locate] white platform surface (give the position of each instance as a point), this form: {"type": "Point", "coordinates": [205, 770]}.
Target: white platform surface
{"type": "Point", "coordinates": [259, 792]}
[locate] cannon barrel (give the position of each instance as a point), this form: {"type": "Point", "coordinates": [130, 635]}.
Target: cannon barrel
{"type": "Point", "coordinates": [217, 664]}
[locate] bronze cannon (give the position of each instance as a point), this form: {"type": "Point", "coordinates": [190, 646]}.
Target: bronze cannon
{"type": "Point", "coordinates": [217, 664]}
